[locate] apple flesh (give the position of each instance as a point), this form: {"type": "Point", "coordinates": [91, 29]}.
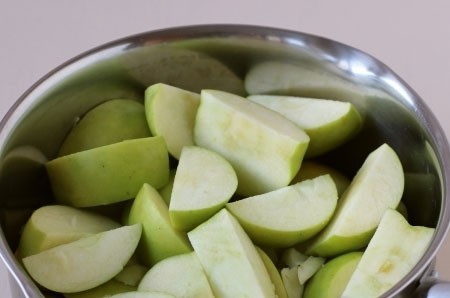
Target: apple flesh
{"type": "Point", "coordinates": [331, 280]}
{"type": "Point", "coordinates": [204, 183]}
{"type": "Point", "coordinates": [395, 248]}
{"type": "Point", "coordinates": [131, 274]}
{"type": "Point", "coordinates": [264, 148]}
{"type": "Point", "coordinates": [111, 122]}
{"type": "Point", "coordinates": [171, 113]}
{"type": "Point", "coordinates": [231, 262]}
{"type": "Point", "coordinates": [328, 123]}
{"type": "Point", "coordinates": [86, 263]}
{"type": "Point", "coordinates": [377, 186]}
{"type": "Point", "coordinates": [275, 276]}
{"type": "Point", "coordinates": [289, 215]}
{"type": "Point", "coordinates": [53, 225]}
{"type": "Point", "coordinates": [109, 174]}
{"type": "Point", "coordinates": [180, 276]}
{"type": "Point", "coordinates": [159, 239]}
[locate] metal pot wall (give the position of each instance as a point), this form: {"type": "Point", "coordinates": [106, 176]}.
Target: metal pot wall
{"type": "Point", "coordinates": [221, 57]}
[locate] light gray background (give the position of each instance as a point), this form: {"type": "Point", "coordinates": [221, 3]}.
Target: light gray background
{"type": "Point", "coordinates": [412, 37]}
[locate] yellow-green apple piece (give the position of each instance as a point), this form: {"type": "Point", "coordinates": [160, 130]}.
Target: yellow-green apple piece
{"type": "Point", "coordinates": [159, 239]}
{"type": "Point", "coordinates": [86, 263]}
{"type": "Point", "coordinates": [53, 225]}
{"type": "Point", "coordinates": [170, 113]}
{"type": "Point", "coordinates": [291, 257]}
{"type": "Point", "coordinates": [331, 280]}
{"type": "Point", "coordinates": [377, 186]}
{"type": "Point", "coordinates": [394, 250]}
{"type": "Point", "coordinates": [166, 190]}
{"type": "Point", "coordinates": [138, 294]}
{"type": "Point", "coordinates": [204, 183]}
{"type": "Point", "coordinates": [273, 273]}
{"type": "Point", "coordinates": [264, 148]}
{"type": "Point", "coordinates": [106, 289]}
{"type": "Point", "coordinates": [231, 262]}
{"type": "Point", "coordinates": [312, 169]}
{"type": "Point", "coordinates": [328, 123]}
{"type": "Point", "coordinates": [132, 274]}
{"type": "Point", "coordinates": [180, 276]}
{"type": "Point", "coordinates": [110, 122]}
{"type": "Point", "coordinates": [291, 283]}
{"type": "Point", "coordinates": [109, 174]}
{"type": "Point", "coordinates": [308, 268]}
{"type": "Point", "coordinates": [289, 215]}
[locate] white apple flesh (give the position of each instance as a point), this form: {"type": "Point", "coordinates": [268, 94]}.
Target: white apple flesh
{"type": "Point", "coordinates": [264, 148]}
{"type": "Point", "coordinates": [289, 215]}
{"type": "Point", "coordinates": [204, 183]}
{"type": "Point", "coordinates": [394, 250]}
{"type": "Point", "coordinates": [231, 262]}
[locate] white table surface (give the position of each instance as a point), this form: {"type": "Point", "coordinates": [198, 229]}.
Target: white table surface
{"type": "Point", "coordinates": [412, 37]}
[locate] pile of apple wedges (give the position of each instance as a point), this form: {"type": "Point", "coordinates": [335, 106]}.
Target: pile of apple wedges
{"type": "Point", "coordinates": [217, 195]}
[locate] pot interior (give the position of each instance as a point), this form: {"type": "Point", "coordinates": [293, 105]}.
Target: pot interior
{"type": "Point", "coordinates": [225, 57]}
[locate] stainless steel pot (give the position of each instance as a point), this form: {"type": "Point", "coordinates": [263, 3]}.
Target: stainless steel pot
{"type": "Point", "coordinates": [238, 59]}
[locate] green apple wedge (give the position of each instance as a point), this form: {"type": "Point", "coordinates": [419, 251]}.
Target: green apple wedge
{"type": "Point", "coordinates": [328, 123]}
{"type": "Point", "coordinates": [86, 263]}
{"type": "Point", "coordinates": [107, 289]}
{"type": "Point", "coordinates": [394, 250]}
{"type": "Point", "coordinates": [264, 148]}
{"type": "Point", "coordinates": [159, 239]}
{"type": "Point", "coordinates": [170, 113]}
{"type": "Point", "coordinates": [137, 294]}
{"type": "Point", "coordinates": [274, 274]}
{"type": "Point", "coordinates": [132, 274]}
{"type": "Point", "coordinates": [377, 186]}
{"type": "Point", "coordinates": [231, 261]}
{"type": "Point", "coordinates": [53, 225]}
{"type": "Point", "coordinates": [180, 276]}
{"type": "Point", "coordinates": [312, 169]}
{"type": "Point", "coordinates": [110, 122]}
{"type": "Point", "coordinates": [331, 279]}
{"type": "Point", "coordinates": [204, 183]}
{"type": "Point", "coordinates": [289, 215]}
{"type": "Point", "coordinates": [109, 174]}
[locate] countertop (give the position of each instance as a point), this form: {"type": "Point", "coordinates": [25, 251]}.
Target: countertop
{"type": "Point", "coordinates": [412, 37]}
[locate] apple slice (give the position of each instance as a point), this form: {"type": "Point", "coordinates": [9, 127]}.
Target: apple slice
{"type": "Point", "coordinates": [230, 260]}
{"type": "Point", "coordinates": [377, 186]}
{"type": "Point", "coordinates": [312, 169]}
{"type": "Point", "coordinates": [171, 113]}
{"type": "Point", "coordinates": [110, 122]}
{"type": "Point", "coordinates": [53, 225]}
{"type": "Point", "coordinates": [395, 248]}
{"type": "Point", "coordinates": [204, 183]}
{"type": "Point", "coordinates": [85, 263]}
{"type": "Point", "coordinates": [328, 123]}
{"type": "Point", "coordinates": [331, 279]}
{"type": "Point", "coordinates": [275, 276]}
{"type": "Point", "coordinates": [137, 294]}
{"type": "Point", "coordinates": [180, 276]}
{"type": "Point", "coordinates": [264, 148]}
{"type": "Point", "coordinates": [132, 274]}
{"type": "Point", "coordinates": [159, 239]}
{"type": "Point", "coordinates": [289, 215]}
{"type": "Point", "coordinates": [109, 288]}
{"type": "Point", "coordinates": [110, 173]}
{"type": "Point", "coordinates": [291, 283]}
